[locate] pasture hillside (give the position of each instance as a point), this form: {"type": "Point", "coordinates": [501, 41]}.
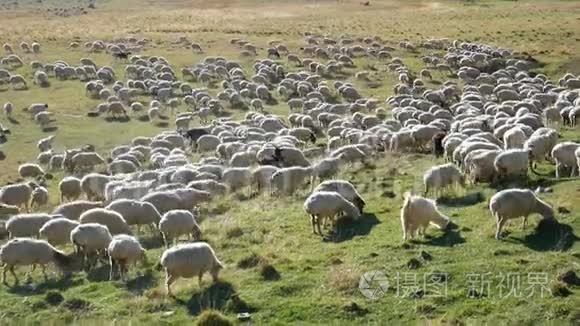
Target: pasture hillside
{"type": "Point", "coordinates": [275, 268]}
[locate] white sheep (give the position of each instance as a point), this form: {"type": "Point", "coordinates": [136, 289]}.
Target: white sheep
{"type": "Point", "coordinates": [324, 205]}
{"type": "Point", "coordinates": [24, 252]}
{"type": "Point", "coordinates": [442, 176]}
{"type": "Point", "coordinates": [109, 218]}
{"type": "Point", "coordinates": [90, 239]}
{"type": "Point", "coordinates": [262, 176]}
{"type": "Point", "coordinates": [209, 185]}
{"type": "Point", "coordinates": [39, 197]}
{"type": "Point", "coordinates": [26, 225]}
{"type": "Point", "coordinates": [176, 223]}
{"type": "Point", "coordinates": [513, 162]}
{"type": "Point", "coordinates": [57, 230]}
{"type": "Point", "coordinates": [417, 213]}
{"type": "Point", "coordinates": [481, 168]}
{"type": "Point", "coordinates": [514, 138]}
{"type": "Point", "coordinates": [346, 190]}
{"type": "Point", "coordinates": [189, 260]}
{"type": "Point", "coordinates": [513, 203]}
{"type": "Point", "coordinates": [136, 212]}
{"type": "Point", "coordinates": [564, 156]}
{"type": "Point", "coordinates": [236, 178]}
{"type": "Point", "coordinates": [124, 250]}
{"type": "Point", "coordinates": [94, 184]}
{"type": "Point", "coordinates": [17, 195]}
{"type": "Point", "coordinates": [288, 180]}
{"type": "Point", "coordinates": [45, 144]}
{"type": "Point", "coordinates": [165, 201]}
{"type": "Point", "coordinates": [73, 210]}
{"type": "Point", "coordinates": [326, 168]}
{"type": "Point", "coordinates": [70, 188]}
{"type": "Point", "coordinates": [30, 170]}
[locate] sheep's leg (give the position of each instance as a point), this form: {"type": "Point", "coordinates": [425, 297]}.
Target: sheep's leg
{"type": "Point", "coordinates": [312, 222]}
{"type": "Point", "coordinates": [169, 279]}
{"type": "Point", "coordinates": [200, 278]}
{"type": "Point", "coordinates": [558, 167]}
{"type": "Point", "coordinates": [43, 268]}
{"type": "Point", "coordinates": [165, 240]}
{"type": "Point", "coordinates": [16, 281]}
{"type": "Point", "coordinates": [4, 270]}
{"type": "Point", "coordinates": [318, 224]}
{"type": "Point", "coordinates": [500, 222]}
{"type": "Point", "coordinates": [112, 270]}
{"type": "Point", "coordinates": [525, 223]}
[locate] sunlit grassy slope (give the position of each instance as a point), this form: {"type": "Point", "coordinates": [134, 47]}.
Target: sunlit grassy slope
{"type": "Point", "coordinates": [318, 280]}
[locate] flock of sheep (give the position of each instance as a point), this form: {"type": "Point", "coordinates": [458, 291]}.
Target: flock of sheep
{"type": "Point", "coordinates": [493, 124]}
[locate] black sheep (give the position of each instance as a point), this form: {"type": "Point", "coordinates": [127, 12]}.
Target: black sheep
{"type": "Point", "coordinates": [437, 144]}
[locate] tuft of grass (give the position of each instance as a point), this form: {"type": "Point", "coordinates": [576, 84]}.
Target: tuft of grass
{"type": "Point", "coordinates": [53, 298]}
{"type": "Point", "coordinates": [250, 261]}
{"type": "Point", "coordinates": [559, 289]}
{"type": "Point", "coordinates": [212, 318]}
{"type": "Point", "coordinates": [344, 279]}
{"type": "Point", "coordinates": [269, 272]}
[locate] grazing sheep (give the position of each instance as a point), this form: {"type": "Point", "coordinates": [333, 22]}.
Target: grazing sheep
{"type": "Point", "coordinates": [189, 260]}
{"type": "Point", "coordinates": [70, 188]}
{"type": "Point", "coordinates": [8, 108]}
{"type": "Point", "coordinates": [441, 177]}
{"type": "Point", "coordinates": [57, 230]}
{"type": "Point", "coordinates": [513, 203]}
{"type": "Point", "coordinates": [39, 197]}
{"type": "Point", "coordinates": [94, 184]}
{"type": "Point", "coordinates": [26, 225]}
{"type": "Point", "coordinates": [124, 250]}
{"type": "Point", "coordinates": [324, 205]}
{"type": "Point", "coordinates": [74, 210]}
{"type": "Point", "coordinates": [236, 178]}
{"type": "Point", "coordinates": [209, 185]}
{"type": "Point", "coordinates": [17, 195]}
{"type": "Point", "coordinates": [187, 199]}
{"type": "Point", "coordinates": [345, 189]}
{"type": "Point", "coordinates": [564, 156]}
{"type": "Point", "coordinates": [30, 170]}
{"type": "Point", "coordinates": [109, 218]}
{"type": "Point", "coordinates": [136, 212]}
{"type": "Point", "coordinates": [417, 213]}
{"type": "Point", "coordinates": [514, 138]}
{"type": "Point", "coordinates": [90, 239]}
{"type": "Point", "coordinates": [45, 144]}
{"type": "Point", "coordinates": [176, 223]}
{"type": "Point", "coordinates": [24, 252]}
{"type": "Point", "coordinates": [513, 162]}
{"type": "Point", "coordinates": [288, 180]}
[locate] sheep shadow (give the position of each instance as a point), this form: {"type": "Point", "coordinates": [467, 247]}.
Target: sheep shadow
{"type": "Point", "coordinates": [162, 124]}
{"type": "Point", "coordinates": [467, 200]}
{"type": "Point", "coordinates": [347, 228]}
{"type": "Point", "coordinates": [153, 242]}
{"type": "Point", "coordinates": [118, 119]}
{"type": "Point", "coordinates": [216, 296]}
{"type": "Point", "coordinates": [550, 236]}
{"type": "Point", "coordinates": [60, 284]}
{"type": "Point", "coordinates": [143, 118]}
{"type": "Point", "coordinates": [13, 121]}
{"type": "Point", "coordinates": [141, 283]}
{"type": "Point", "coordinates": [99, 274]}
{"type": "Point", "coordinates": [446, 238]}
{"type": "Point", "coordinates": [50, 129]}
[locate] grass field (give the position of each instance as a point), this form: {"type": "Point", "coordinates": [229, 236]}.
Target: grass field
{"type": "Point", "coordinates": [318, 281]}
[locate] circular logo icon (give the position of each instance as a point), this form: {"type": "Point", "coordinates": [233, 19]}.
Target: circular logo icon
{"type": "Point", "coordinates": [373, 285]}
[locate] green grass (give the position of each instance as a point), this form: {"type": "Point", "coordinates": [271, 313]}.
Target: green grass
{"type": "Point", "coordinates": [318, 280]}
